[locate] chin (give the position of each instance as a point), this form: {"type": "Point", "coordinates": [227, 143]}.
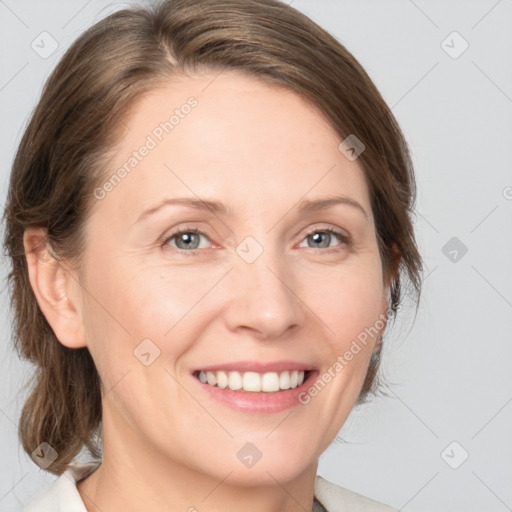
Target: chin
{"type": "Point", "coordinates": [263, 461]}
{"type": "Point", "coordinates": [281, 468]}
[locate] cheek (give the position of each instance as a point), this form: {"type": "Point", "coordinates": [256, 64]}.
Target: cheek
{"type": "Point", "coordinates": [128, 304]}
{"type": "Point", "coordinates": [347, 299]}
{"type": "Point", "coordinates": [143, 301]}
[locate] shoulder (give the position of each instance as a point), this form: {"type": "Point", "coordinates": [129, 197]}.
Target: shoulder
{"type": "Point", "coordinates": [63, 495]}
{"type": "Point", "coordinates": [338, 499]}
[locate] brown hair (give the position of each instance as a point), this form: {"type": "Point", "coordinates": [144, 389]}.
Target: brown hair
{"type": "Point", "coordinates": [63, 156]}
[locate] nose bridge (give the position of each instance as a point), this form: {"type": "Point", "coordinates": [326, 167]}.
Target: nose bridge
{"type": "Point", "coordinates": [262, 296]}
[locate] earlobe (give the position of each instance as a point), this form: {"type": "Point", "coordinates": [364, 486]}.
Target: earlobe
{"type": "Point", "coordinates": [54, 288]}
{"type": "Point", "coordinates": [392, 274]}
{"type": "Point", "coordinates": [378, 343]}
{"type": "Point", "coordinates": [382, 321]}
{"type": "Point", "coordinates": [388, 282]}
{"type": "Point", "coordinates": [397, 256]}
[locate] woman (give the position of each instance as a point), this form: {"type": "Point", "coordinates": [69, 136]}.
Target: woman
{"type": "Point", "coordinates": [209, 224]}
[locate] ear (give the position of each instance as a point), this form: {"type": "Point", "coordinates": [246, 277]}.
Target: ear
{"type": "Point", "coordinates": [388, 281]}
{"type": "Point", "coordinates": [55, 288]}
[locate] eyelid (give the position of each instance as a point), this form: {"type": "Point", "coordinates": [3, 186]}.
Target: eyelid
{"type": "Point", "coordinates": [166, 238]}
{"type": "Point", "coordinates": [344, 237]}
{"type": "Point", "coordinates": [329, 228]}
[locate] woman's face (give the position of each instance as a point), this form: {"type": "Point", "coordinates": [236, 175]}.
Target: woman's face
{"type": "Point", "coordinates": [252, 290]}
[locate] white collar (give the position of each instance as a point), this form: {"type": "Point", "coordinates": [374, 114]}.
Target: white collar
{"type": "Point", "coordinates": [63, 495]}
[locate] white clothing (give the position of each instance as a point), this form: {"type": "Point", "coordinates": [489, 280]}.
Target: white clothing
{"type": "Point", "coordinates": [63, 496]}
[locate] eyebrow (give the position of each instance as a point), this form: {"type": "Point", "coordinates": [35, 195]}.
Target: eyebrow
{"type": "Point", "coordinates": [216, 207]}
{"type": "Point", "coordinates": [321, 204]}
{"type": "Point", "coordinates": [190, 202]}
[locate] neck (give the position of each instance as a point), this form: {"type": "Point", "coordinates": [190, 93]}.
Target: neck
{"type": "Point", "coordinates": [136, 476]}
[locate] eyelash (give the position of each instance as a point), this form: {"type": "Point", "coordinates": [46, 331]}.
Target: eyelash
{"type": "Point", "coordinates": [345, 239]}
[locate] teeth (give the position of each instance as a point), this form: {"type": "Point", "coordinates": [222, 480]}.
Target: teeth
{"type": "Point", "coordinates": [294, 377]}
{"type": "Point", "coordinates": [251, 381]}
{"type": "Point", "coordinates": [270, 381]}
{"type": "Point", "coordinates": [234, 381]}
{"type": "Point", "coordinates": [222, 380]}
{"type": "Point", "coordinates": [284, 380]}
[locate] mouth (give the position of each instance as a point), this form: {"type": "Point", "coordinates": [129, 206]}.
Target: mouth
{"type": "Point", "coordinates": [255, 387]}
{"type": "Point", "coordinates": [253, 382]}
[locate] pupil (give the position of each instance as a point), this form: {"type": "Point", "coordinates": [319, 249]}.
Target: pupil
{"type": "Point", "coordinates": [317, 237]}
{"type": "Point", "coordinates": [187, 239]}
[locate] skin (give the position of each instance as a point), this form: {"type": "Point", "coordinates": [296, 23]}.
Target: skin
{"type": "Point", "coordinates": [260, 150]}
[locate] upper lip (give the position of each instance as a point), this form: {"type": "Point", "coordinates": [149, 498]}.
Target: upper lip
{"type": "Point", "coordinates": [258, 367]}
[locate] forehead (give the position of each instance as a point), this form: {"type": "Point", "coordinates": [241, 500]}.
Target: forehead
{"type": "Point", "coordinates": [230, 135]}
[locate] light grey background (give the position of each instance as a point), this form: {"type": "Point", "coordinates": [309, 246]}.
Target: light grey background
{"type": "Point", "coordinates": [450, 370]}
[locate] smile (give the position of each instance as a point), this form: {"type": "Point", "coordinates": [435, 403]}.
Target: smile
{"type": "Point", "coordinates": [255, 386]}
{"type": "Point", "coordinates": [269, 382]}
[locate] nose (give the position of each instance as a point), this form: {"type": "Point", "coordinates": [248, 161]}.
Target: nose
{"type": "Point", "coordinates": [263, 303]}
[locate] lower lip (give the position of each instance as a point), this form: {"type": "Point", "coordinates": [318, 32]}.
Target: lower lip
{"type": "Point", "coordinates": [258, 402]}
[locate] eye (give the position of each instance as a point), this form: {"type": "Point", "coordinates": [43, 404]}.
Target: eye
{"type": "Point", "coordinates": [322, 238]}
{"type": "Point", "coordinates": [188, 240]}
{"type": "Point", "coordinates": [185, 239]}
